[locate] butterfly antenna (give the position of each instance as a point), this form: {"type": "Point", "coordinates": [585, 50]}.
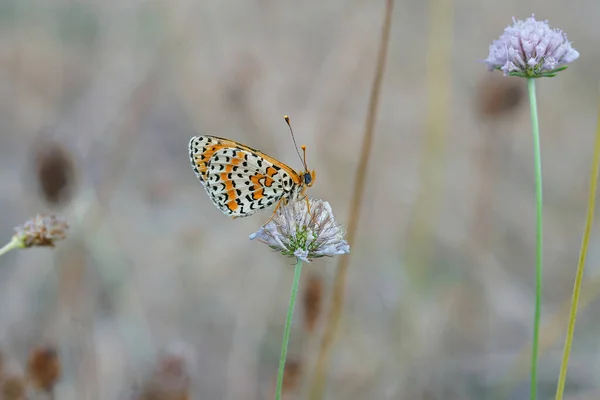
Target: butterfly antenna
{"type": "Point", "coordinates": [287, 120]}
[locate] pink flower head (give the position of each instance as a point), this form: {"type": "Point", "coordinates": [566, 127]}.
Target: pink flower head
{"type": "Point", "coordinates": [531, 49]}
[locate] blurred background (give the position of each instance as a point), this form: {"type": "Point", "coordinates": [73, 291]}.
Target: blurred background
{"type": "Point", "coordinates": [155, 290]}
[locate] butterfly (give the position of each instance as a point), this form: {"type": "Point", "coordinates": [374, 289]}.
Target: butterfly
{"type": "Point", "coordinates": [241, 180]}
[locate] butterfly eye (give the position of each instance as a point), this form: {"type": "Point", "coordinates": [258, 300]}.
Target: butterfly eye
{"type": "Point", "coordinates": [307, 179]}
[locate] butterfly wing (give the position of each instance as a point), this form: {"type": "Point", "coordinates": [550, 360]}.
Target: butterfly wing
{"type": "Point", "coordinates": [238, 179]}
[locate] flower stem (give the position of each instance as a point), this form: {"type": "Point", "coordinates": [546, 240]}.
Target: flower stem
{"type": "Point", "coordinates": [562, 376]}
{"type": "Point", "coordinates": [286, 330]}
{"type": "Point", "coordinates": [539, 234]}
{"type": "Point", "coordinates": [14, 243]}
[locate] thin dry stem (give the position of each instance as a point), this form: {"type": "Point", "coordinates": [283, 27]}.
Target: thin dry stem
{"type": "Point", "coordinates": [355, 207]}
{"type": "Point", "coordinates": [589, 221]}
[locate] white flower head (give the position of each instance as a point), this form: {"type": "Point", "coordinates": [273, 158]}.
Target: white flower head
{"type": "Point", "coordinates": [42, 230]}
{"type": "Point", "coordinates": [295, 232]}
{"type": "Point", "coordinates": [531, 49]}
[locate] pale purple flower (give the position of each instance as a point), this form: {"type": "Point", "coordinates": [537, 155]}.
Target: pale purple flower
{"type": "Point", "coordinates": [531, 49]}
{"type": "Point", "coordinates": [295, 232]}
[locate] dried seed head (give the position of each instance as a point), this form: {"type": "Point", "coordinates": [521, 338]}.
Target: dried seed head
{"type": "Point", "coordinates": [531, 49]}
{"type": "Point", "coordinates": [170, 379]}
{"type": "Point", "coordinates": [55, 172]}
{"type": "Point", "coordinates": [12, 388]}
{"type": "Point", "coordinates": [291, 375]}
{"type": "Point", "coordinates": [313, 301]}
{"type": "Point", "coordinates": [295, 232]}
{"type": "Point", "coordinates": [498, 97]}
{"type": "Point", "coordinates": [43, 368]}
{"type": "Point", "coordinates": [42, 230]}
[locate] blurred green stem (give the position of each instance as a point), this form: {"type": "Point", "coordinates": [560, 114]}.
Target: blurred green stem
{"type": "Point", "coordinates": [539, 235]}
{"type": "Point", "coordinates": [14, 243]}
{"type": "Point", "coordinates": [286, 330]}
{"type": "Point", "coordinates": [580, 265]}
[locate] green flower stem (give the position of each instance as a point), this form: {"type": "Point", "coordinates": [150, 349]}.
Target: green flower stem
{"type": "Point", "coordinates": [288, 326]}
{"type": "Point", "coordinates": [539, 235]}
{"type": "Point", "coordinates": [14, 243]}
{"type": "Point", "coordinates": [562, 376]}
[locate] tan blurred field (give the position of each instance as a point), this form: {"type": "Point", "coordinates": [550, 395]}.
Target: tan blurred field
{"type": "Point", "coordinates": [439, 296]}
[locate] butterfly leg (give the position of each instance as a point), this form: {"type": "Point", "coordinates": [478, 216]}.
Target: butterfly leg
{"type": "Point", "coordinates": [307, 205]}
{"type": "Point", "coordinates": [275, 210]}
{"type": "Point", "coordinates": [305, 197]}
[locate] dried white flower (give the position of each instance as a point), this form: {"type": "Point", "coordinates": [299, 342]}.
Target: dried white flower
{"type": "Point", "coordinates": [295, 232]}
{"type": "Point", "coordinates": [42, 230]}
{"type": "Point", "coordinates": [531, 49]}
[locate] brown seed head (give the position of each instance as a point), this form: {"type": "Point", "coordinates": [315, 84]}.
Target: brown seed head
{"type": "Point", "coordinates": [291, 375]}
{"type": "Point", "coordinates": [43, 368]}
{"type": "Point", "coordinates": [55, 172]}
{"type": "Point", "coordinates": [499, 96]}
{"type": "Point", "coordinates": [12, 388]}
{"type": "Point", "coordinates": [313, 301]}
{"type": "Point", "coordinates": [170, 379]}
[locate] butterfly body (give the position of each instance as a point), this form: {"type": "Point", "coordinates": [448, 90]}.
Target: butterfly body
{"type": "Point", "coordinates": [241, 180]}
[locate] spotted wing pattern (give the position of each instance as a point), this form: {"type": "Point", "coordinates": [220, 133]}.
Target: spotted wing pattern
{"type": "Point", "coordinates": [239, 179]}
